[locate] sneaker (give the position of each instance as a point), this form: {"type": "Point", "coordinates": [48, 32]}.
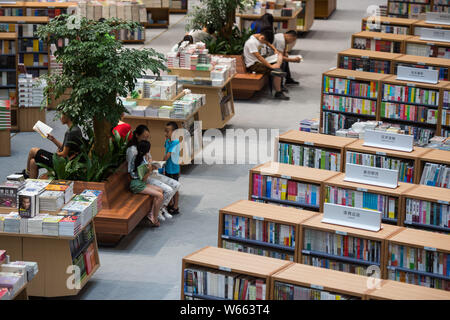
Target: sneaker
{"type": "Point", "coordinates": [291, 82]}
{"type": "Point", "coordinates": [278, 73]}
{"type": "Point", "coordinates": [174, 211]}
{"type": "Point", "coordinates": [285, 90]}
{"type": "Point", "coordinates": [24, 173]}
{"type": "Point", "coordinates": [161, 217]}
{"type": "Point", "coordinates": [280, 95]}
{"type": "Point", "coordinates": [166, 214]}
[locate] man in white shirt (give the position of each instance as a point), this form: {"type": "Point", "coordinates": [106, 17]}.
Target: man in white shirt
{"type": "Point", "coordinates": [256, 63]}
{"type": "Point", "coordinates": [281, 42]}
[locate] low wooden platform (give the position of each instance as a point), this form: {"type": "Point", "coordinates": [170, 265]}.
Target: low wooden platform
{"type": "Point", "coordinates": [245, 84]}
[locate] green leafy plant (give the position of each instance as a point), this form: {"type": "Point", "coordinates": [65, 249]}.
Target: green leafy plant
{"type": "Point", "coordinates": [232, 46]}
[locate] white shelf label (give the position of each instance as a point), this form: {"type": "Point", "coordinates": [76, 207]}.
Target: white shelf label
{"type": "Point", "coordinates": [351, 78]}
{"type": "Point", "coordinates": [20, 21]}
{"type": "Point", "coordinates": [225, 236]}
{"type": "Point", "coordinates": [443, 202]}
{"type": "Point", "coordinates": [371, 175]}
{"type": "Point", "coordinates": [342, 233]}
{"type": "Point", "coordinates": [388, 140]}
{"type": "Point", "coordinates": [306, 251]}
{"type": "Point", "coordinates": [380, 153]}
{"type": "Point", "coordinates": [417, 74]}
{"type": "Point", "coordinates": [377, 38]}
{"type": "Point", "coordinates": [308, 143]}
{"type": "Point", "coordinates": [421, 63]}
{"type": "Point", "coordinates": [429, 248]}
{"type": "Point", "coordinates": [411, 84]}
{"type": "Point", "coordinates": [364, 57]}
{"type": "Point", "coordinates": [286, 177]}
{"type": "Point", "coordinates": [351, 217]}
{"type": "Point", "coordinates": [361, 189]}
{"type": "Point", "coordinates": [386, 22]}
{"type": "Point", "coordinates": [435, 34]}
{"type": "Point", "coordinates": [430, 43]}
{"type": "Point", "coordinates": [226, 269]}
{"type": "Point", "coordinates": [258, 218]}
{"type": "Point", "coordinates": [254, 197]}
{"type": "Point", "coordinates": [189, 294]}
{"type": "Point", "coordinates": [313, 286]}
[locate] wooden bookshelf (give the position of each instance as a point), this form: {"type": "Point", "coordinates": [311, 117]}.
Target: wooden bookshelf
{"type": "Point", "coordinates": [124, 36]}
{"type": "Point", "coordinates": [158, 14]}
{"type": "Point", "coordinates": [233, 262]}
{"type": "Point", "coordinates": [254, 211]}
{"type": "Point", "coordinates": [291, 21]}
{"type": "Point", "coordinates": [5, 143]}
{"type": "Point", "coordinates": [369, 60]}
{"type": "Point", "coordinates": [429, 48]}
{"type": "Point", "coordinates": [304, 175]}
{"type": "Point", "coordinates": [316, 224]}
{"type": "Point", "coordinates": [313, 140]}
{"type": "Point", "coordinates": [324, 8]}
{"type": "Point", "coordinates": [397, 194]}
{"type": "Point", "coordinates": [355, 76]}
{"type": "Point", "coordinates": [394, 290]}
{"type": "Point", "coordinates": [445, 112]}
{"type": "Point", "coordinates": [11, 36]}
{"type": "Point", "coordinates": [434, 156]}
{"type": "Point", "coordinates": [402, 5]}
{"type": "Point", "coordinates": [438, 196]}
{"type": "Point", "coordinates": [183, 9]}
{"type": "Point", "coordinates": [306, 16]}
{"type": "Point", "coordinates": [53, 256]}
{"type": "Point", "coordinates": [431, 242]}
{"type": "Point", "coordinates": [157, 102]}
{"type": "Point", "coordinates": [321, 279]}
{"type": "Point", "coordinates": [396, 40]}
{"type": "Point", "coordinates": [424, 62]}
{"type": "Point", "coordinates": [410, 157]}
{"type": "Point", "coordinates": [388, 25]}
{"type": "Point", "coordinates": [419, 24]}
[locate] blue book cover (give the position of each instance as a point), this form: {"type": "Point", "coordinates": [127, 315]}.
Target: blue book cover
{"type": "Point", "coordinates": [313, 196]}
{"type": "Point", "coordinates": [268, 187]}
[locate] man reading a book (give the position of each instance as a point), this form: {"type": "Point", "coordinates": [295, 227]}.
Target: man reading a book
{"type": "Point", "coordinates": [70, 147]}
{"type": "Point", "coordinates": [281, 42]}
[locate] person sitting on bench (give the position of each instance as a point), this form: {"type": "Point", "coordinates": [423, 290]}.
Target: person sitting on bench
{"type": "Point", "coordinates": [70, 147]}
{"type": "Point", "coordinates": [281, 42]}
{"type": "Point", "coordinates": [256, 63]}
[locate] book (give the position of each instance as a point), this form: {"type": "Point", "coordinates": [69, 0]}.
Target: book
{"type": "Point", "coordinates": [427, 213]}
{"type": "Point", "coordinates": [9, 193]}
{"type": "Point", "coordinates": [309, 156]}
{"type": "Point", "coordinates": [285, 291]}
{"type": "Point", "coordinates": [248, 248]}
{"type": "Point", "coordinates": [65, 186]}
{"type": "Point", "coordinates": [142, 170]}
{"type": "Point", "coordinates": [436, 175]}
{"type": "Point", "coordinates": [43, 129]}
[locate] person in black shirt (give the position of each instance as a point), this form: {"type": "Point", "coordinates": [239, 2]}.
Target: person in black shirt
{"type": "Point", "coordinates": [70, 147]}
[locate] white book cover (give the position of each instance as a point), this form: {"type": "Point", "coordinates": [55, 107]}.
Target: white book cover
{"type": "Point", "coordinates": [43, 129]}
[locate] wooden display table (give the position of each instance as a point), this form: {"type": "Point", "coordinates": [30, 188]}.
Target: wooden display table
{"type": "Point", "coordinates": [5, 143]}
{"type": "Point", "coordinates": [158, 14]}
{"type": "Point", "coordinates": [324, 8]}
{"type": "Point", "coordinates": [21, 294]}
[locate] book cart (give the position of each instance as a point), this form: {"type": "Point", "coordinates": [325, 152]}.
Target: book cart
{"type": "Point", "coordinates": [394, 290]}
{"type": "Point", "coordinates": [262, 229]}
{"type": "Point", "coordinates": [5, 136]}
{"type": "Point", "coordinates": [388, 201]}
{"type": "Point", "coordinates": [377, 41]}
{"type": "Point", "coordinates": [427, 208]}
{"type": "Point", "coordinates": [324, 8]}
{"type": "Point", "coordinates": [53, 255]}
{"type": "Point", "coordinates": [311, 143]}
{"type": "Point", "coordinates": [218, 260]}
{"type": "Point", "coordinates": [359, 91]}
{"type": "Point", "coordinates": [427, 48]}
{"type": "Point", "coordinates": [407, 159]}
{"type": "Point", "coordinates": [157, 15]}
{"type": "Point", "coordinates": [407, 8]}
{"type": "Point", "coordinates": [219, 107]}
{"type": "Point", "coordinates": [419, 257]}
{"type": "Point", "coordinates": [366, 60]}
{"type": "Point", "coordinates": [433, 157]}
{"type": "Point", "coordinates": [443, 65]}
{"type": "Point", "coordinates": [389, 25]}
{"type": "Point", "coordinates": [342, 248]}
{"type": "Point", "coordinates": [288, 185]}
{"type": "Point", "coordinates": [422, 24]}
{"type": "Point", "coordinates": [320, 283]}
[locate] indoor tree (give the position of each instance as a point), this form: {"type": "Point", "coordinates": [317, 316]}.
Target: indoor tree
{"type": "Point", "coordinates": [97, 68]}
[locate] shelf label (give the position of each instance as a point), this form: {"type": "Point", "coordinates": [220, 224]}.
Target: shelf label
{"type": "Point", "coordinates": [417, 74]}
{"type": "Point", "coordinates": [258, 218]}
{"type": "Point", "coordinates": [388, 140]}
{"type": "Point", "coordinates": [376, 38]}
{"type": "Point", "coordinates": [254, 197]}
{"type": "Point", "coordinates": [306, 252]}
{"type": "Point", "coordinates": [20, 21]}
{"type": "Point", "coordinates": [438, 18]}
{"type": "Point", "coordinates": [390, 267]}
{"type": "Point", "coordinates": [371, 175]}
{"type": "Point", "coordinates": [351, 78]}
{"type": "Point", "coordinates": [286, 177]}
{"type": "Point", "coordinates": [429, 248]}
{"type": "Point", "coordinates": [443, 202]}
{"type": "Point", "coordinates": [313, 286]}
{"type": "Point", "coordinates": [411, 84]}
{"type": "Point", "coordinates": [189, 294]}
{"type": "Point", "coordinates": [342, 233]}
{"type": "Point", "coordinates": [308, 143]}
{"type": "Point", "coordinates": [421, 63]}
{"type": "Point", "coordinates": [225, 236]}
{"type": "Point", "coordinates": [352, 217]}
{"type": "Point", "coordinates": [226, 269]}
{"type": "Point", "coordinates": [435, 34]}
{"type": "Point", "coordinates": [380, 153]}
{"type": "Point", "coordinates": [364, 57]}
{"type": "Point", "coordinates": [361, 189]}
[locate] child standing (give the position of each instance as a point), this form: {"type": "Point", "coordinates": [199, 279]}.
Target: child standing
{"type": "Point", "coordinates": [172, 158]}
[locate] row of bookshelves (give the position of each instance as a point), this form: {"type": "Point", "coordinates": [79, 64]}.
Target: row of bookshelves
{"type": "Point", "coordinates": [401, 26]}
{"type": "Point", "coordinates": [220, 274]}
{"type": "Point", "coordinates": [414, 9]}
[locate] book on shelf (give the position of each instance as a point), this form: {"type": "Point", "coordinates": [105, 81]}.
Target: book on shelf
{"type": "Point", "coordinates": [365, 64]}
{"type": "Point", "coordinates": [427, 213]}
{"type": "Point", "coordinates": [7, 47]}
{"type": "Point", "coordinates": [436, 175]}
{"type": "Point", "coordinates": [427, 50]}
{"type": "Point", "coordinates": [405, 168]}
{"type": "Point", "coordinates": [386, 28]}
{"type": "Point", "coordinates": [331, 264]}
{"type": "Point", "coordinates": [258, 250]}
{"type": "Point", "coordinates": [285, 189]}
{"type": "Point", "coordinates": [377, 45]}
{"type": "Point", "coordinates": [286, 291]}
{"type": "Point", "coordinates": [388, 206]}
{"type": "Point", "coordinates": [365, 89]}
{"type": "Point", "coordinates": [405, 94]}
{"type": "Point", "coordinates": [351, 105]}
{"type": "Point", "coordinates": [64, 186]}
{"type": "Point", "coordinates": [333, 122]}
{"type": "Point", "coordinates": [51, 201]}
{"type": "Point", "coordinates": [313, 157]}
{"type": "Point", "coordinates": [413, 113]}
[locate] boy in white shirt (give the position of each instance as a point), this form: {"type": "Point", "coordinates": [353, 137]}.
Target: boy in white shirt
{"type": "Point", "coordinates": [256, 63]}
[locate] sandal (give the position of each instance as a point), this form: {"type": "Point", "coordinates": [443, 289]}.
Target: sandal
{"type": "Point", "coordinates": [152, 222]}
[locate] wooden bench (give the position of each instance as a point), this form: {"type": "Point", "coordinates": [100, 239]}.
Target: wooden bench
{"type": "Point", "coordinates": [121, 211]}
{"type": "Point", "coordinates": [244, 83]}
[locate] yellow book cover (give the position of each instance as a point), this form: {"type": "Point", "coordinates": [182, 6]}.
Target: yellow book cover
{"type": "Point", "coordinates": [283, 189]}
{"type": "Point", "coordinates": [35, 45]}
{"type": "Point", "coordinates": [5, 47]}
{"type": "Point", "coordinates": [28, 59]}
{"type": "Point", "coordinates": [12, 28]}
{"type": "Point", "coordinates": [41, 59]}
{"type": "Point", "coordinates": [56, 187]}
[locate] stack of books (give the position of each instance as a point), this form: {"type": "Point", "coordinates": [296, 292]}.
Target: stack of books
{"type": "Point", "coordinates": [9, 191]}
{"type": "Point", "coordinates": [29, 268]}
{"type": "Point", "coordinates": [77, 206]}
{"type": "Point", "coordinates": [51, 201]}
{"type": "Point", "coordinates": [29, 201]}
{"type": "Point", "coordinates": [50, 225]}
{"type": "Point", "coordinates": [70, 225]}
{"type": "Point", "coordinates": [96, 196]}
{"type": "Point", "coordinates": [11, 223]}
{"type": "Point", "coordinates": [310, 125]}
{"type": "Point", "coordinates": [64, 186]}
{"type": "Point", "coordinates": [5, 114]}
{"type": "Point", "coordinates": [35, 223]}
{"type": "Point", "coordinates": [12, 281]}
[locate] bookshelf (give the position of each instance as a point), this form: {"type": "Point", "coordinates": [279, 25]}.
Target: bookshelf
{"type": "Point", "coordinates": [336, 247]}
{"type": "Point", "coordinates": [440, 6]}
{"type": "Point", "coordinates": [419, 257]}
{"type": "Point", "coordinates": [422, 24]}
{"type": "Point", "coordinates": [348, 94]}
{"type": "Point", "coordinates": [443, 65]}
{"type": "Point", "coordinates": [388, 201]}
{"type": "Point", "coordinates": [127, 36]}
{"type": "Point", "coordinates": [433, 166]}
{"type": "Point", "coordinates": [157, 18]}
{"type": "Point", "coordinates": [49, 9]}
{"type": "Point", "coordinates": [8, 67]}
{"type": "Point", "coordinates": [445, 112]}
{"type": "Point", "coordinates": [426, 48]}
{"type": "Point", "coordinates": [319, 282]}
{"type": "Point", "coordinates": [406, 162]}
{"type": "Point", "coordinates": [179, 6]}
{"type": "Point", "coordinates": [53, 255]}
{"type": "Point", "coordinates": [377, 41]}
{"type": "Point", "coordinates": [408, 8]}
{"type": "Point", "coordinates": [312, 150]}
{"type": "Point", "coordinates": [232, 264]}
{"type": "Point", "coordinates": [366, 60]}
{"type": "Point", "coordinates": [390, 25]}
{"type": "Point", "coordinates": [288, 185]}
{"type": "Point", "coordinates": [280, 23]}
{"type": "Point", "coordinates": [394, 290]}
{"type": "Point", "coordinates": [262, 229]}
{"type": "Point", "coordinates": [324, 8]}
{"type": "Point", "coordinates": [413, 105]}
{"type": "Point", "coordinates": [305, 18]}
{"type": "Point", "coordinates": [427, 208]}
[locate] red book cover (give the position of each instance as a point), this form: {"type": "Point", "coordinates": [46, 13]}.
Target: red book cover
{"type": "Point", "coordinates": [87, 262]}
{"type": "Point", "coordinates": [346, 246]}
{"type": "Point", "coordinates": [358, 248]}
{"type": "Point", "coordinates": [259, 288]}
{"type": "Point", "coordinates": [244, 292]}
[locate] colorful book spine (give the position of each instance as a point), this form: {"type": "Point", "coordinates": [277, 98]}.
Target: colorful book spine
{"type": "Point", "coordinates": [365, 64]}
{"type": "Point", "coordinates": [350, 105]}
{"type": "Point", "coordinates": [367, 200]}
{"type": "Point", "coordinates": [436, 175]}
{"type": "Point", "coordinates": [350, 87]}
{"type": "Point", "coordinates": [260, 251]}
{"type": "Point", "coordinates": [335, 265]}
{"type": "Point", "coordinates": [311, 157]}
{"type": "Point", "coordinates": [427, 213]}
{"type": "Point", "coordinates": [285, 291]}
{"type": "Point", "coordinates": [405, 94]}
{"type": "Point", "coordinates": [408, 112]}
{"type": "Point", "coordinates": [332, 122]}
